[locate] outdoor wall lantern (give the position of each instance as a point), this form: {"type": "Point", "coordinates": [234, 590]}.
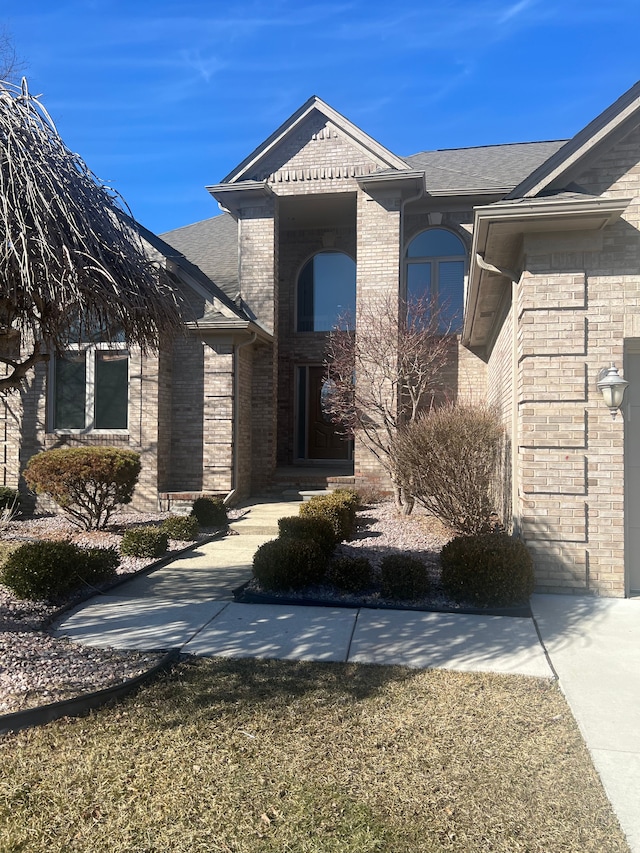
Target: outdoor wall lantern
{"type": "Point", "coordinates": [612, 387]}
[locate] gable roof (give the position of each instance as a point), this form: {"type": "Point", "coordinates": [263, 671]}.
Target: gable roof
{"type": "Point", "coordinates": [618, 119]}
{"type": "Point", "coordinates": [385, 158]}
{"type": "Point", "coordinates": [483, 168]}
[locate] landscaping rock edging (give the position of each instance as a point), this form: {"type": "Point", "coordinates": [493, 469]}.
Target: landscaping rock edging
{"type": "Point", "coordinates": [243, 595]}
{"type": "Point", "coordinates": [77, 706]}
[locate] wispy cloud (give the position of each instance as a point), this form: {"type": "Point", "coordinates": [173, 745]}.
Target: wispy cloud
{"type": "Point", "coordinates": [513, 11]}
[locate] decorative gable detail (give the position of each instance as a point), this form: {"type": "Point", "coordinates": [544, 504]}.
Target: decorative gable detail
{"type": "Point", "coordinates": [316, 143]}
{"type": "Point", "coordinates": [316, 151]}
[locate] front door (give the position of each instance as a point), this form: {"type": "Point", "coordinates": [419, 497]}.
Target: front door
{"type": "Point", "coordinates": [319, 438]}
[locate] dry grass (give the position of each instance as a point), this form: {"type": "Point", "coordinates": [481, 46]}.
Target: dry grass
{"type": "Point", "coordinates": [227, 755]}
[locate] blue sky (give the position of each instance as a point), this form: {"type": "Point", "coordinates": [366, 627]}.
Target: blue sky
{"type": "Point", "coordinates": [161, 97]}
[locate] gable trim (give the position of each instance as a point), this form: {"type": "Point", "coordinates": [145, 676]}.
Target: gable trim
{"type": "Point", "coordinates": [602, 127]}
{"type": "Point", "coordinates": [386, 158]}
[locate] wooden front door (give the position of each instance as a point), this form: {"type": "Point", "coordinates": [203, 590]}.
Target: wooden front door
{"type": "Point", "coordinates": [322, 437]}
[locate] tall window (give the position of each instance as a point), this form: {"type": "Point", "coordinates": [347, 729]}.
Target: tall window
{"type": "Point", "coordinates": [91, 389]}
{"type": "Point", "coordinates": [435, 270]}
{"type": "Point", "coordinates": [326, 291]}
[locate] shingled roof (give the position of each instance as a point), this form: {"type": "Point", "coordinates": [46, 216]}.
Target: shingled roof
{"type": "Point", "coordinates": [212, 245]}
{"type": "Point", "coordinates": [488, 167]}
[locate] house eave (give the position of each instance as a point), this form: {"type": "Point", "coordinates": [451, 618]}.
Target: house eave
{"type": "Point", "coordinates": [497, 240]}
{"type": "Point", "coordinates": [234, 330]}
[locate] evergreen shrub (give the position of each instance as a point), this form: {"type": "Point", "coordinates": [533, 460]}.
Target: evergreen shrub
{"type": "Point", "coordinates": [351, 574]}
{"type": "Point", "coordinates": [301, 527]}
{"type": "Point", "coordinates": [10, 499]}
{"type": "Point", "coordinates": [144, 542]}
{"type": "Point", "coordinates": [210, 511]}
{"type": "Point", "coordinates": [47, 570]}
{"type": "Point", "coordinates": [403, 578]}
{"type": "Point", "coordinates": [487, 570]}
{"type": "Point", "coordinates": [283, 564]}
{"type": "Point", "coordinates": [185, 528]}
{"type": "Point", "coordinates": [338, 509]}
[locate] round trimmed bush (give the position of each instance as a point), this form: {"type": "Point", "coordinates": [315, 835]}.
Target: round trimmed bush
{"type": "Point", "coordinates": [338, 509]}
{"type": "Point", "coordinates": [487, 570]}
{"type": "Point", "coordinates": [88, 483]}
{"type": "Point", "coordinates": [300, 527]}
{"type": "Point", "coordinates": [144, 542]}
{"type": "Point", "coordinates": [289, 564]}
{"type": "Point", "coordinates": [403, 578]}
{"type": "Point", "coordinates": [185, 528]}
{"type": "Point", "coordinates": [47, 570]}
{"type": "Point", "coordinates": [350, 573]}
{"type": "Point", "coordinates": [210, 512]}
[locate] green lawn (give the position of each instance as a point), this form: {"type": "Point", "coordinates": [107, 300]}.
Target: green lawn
{"type": "Point", "coordinates": [227, 755]}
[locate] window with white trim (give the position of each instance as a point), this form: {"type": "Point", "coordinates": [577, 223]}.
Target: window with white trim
{"type": "Point", "coordinates": [435, 264]}
{"type": "Point", "coordinates": [90, 389]}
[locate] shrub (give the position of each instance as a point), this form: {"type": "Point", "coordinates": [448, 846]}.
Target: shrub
{"type": "Point", "coordinates": [487, 570]}
{"type": "Point", "coordinates": [144, 542]}
{"type": "Point", "coordinates": [338, 510]}
{"type": "Point", "coordinates": [210, 512]}
{"type": "Point", "coordinates": [10, 499]}
{"type": "Point", "coordinates": [448, 461]}
{"type": "Point", "coordinates": [88, 483]}
{"type": "Point", "coordinates": [289, 564]}
{"type": "Point", "coordinates": [182, 527]}
{"type": "Point", "coordinates": [43, 570]}
{"type": "Point", "coordinates": [403, 577]}
{"type": "Point", "coordinates": [300, 527]}
{"type": "Point", "coordinates": [350, 573]}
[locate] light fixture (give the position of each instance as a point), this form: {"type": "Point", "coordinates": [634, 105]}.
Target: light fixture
{"type": "Point", "coordinates": [612, 387]}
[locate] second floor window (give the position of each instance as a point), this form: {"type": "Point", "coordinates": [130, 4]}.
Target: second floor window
{"type": "Point", "coordinates": [435, 264]}
{"type": "Point", "coordinates": [326, 291]}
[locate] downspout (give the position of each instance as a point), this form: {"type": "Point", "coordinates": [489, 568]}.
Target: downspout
{"type": "Point", "coordinates": [236, 415]}
{"type": "Point", "coordinates": [515, 484]}
{"type": "Point", "coordinates": [403, 203]}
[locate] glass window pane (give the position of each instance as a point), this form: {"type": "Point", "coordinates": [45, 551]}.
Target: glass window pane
{"type": "Point", "coordinates": [112, 390]}
{"type": "Point", "coordinates": [419, 281]}
{"type": "Point", "coordinates": [435, 243]}
{"type": "Point", "coordinates": [305, 298]}
{"type": "Point", "coordinates": [450, 292]}
{"type": "Point", "coordinates": [70, 391]}
{"type": "Point", "coordinates": [326, 291]}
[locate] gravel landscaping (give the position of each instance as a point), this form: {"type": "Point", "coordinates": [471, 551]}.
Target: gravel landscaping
{"type": "Point", "coordinates": [37, 669]}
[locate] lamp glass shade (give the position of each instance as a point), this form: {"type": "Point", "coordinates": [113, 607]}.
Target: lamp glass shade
{"type": "Point", "coordinates": [612, 387]}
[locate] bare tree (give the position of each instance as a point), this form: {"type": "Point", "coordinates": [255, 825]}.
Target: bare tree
{"type": "Point", "coordinates": [10, 65]}
{"type": "Point", "coordinates": [386, 372]}
{"type": "Point", "coordinates": [71, 260]}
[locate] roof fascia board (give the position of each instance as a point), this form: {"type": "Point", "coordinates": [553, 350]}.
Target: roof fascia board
{"type": "Point", "coordinates": [242, 327]}
{"type": "Point", "coordinates": [524, 217]}
{"type": "Point", "coordinates": [580, 145]}
{"type": "Point", "coordinates": [346, 127]}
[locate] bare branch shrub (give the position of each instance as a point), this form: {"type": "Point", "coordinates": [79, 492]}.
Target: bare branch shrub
{"type": "Point", "coordinates": [71, 259]}
{"type": "Point", "coordinates": [385, 373]}
{"type": "Point", "coordinates": [448, 460]}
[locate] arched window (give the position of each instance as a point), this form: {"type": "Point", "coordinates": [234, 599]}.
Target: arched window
{"type": "Point", "coordinates": [435, 270]}
{"type": "Point", "coordinates": [326, 291]}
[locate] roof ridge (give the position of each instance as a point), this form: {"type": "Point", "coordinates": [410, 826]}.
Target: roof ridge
{"type": "Point", "coordinates": [496, 145]}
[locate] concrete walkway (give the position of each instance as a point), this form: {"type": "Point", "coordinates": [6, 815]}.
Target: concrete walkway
{"type": "Point", "coordinates": [593, 645]}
